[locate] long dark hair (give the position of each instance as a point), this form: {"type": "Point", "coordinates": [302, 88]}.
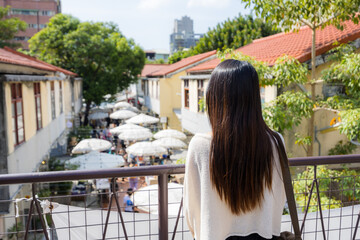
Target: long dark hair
{"type": "Point", "coordinates": [241, 154]}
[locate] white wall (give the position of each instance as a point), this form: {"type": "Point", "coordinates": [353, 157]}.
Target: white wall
{"type": "Point", "coordinates": [194, 122]}
{"type": "Point", "coordinates": [30, 153]}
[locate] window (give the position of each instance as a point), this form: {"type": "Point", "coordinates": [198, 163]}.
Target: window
{"type": "Point", "coordinates": [35, 26]}
{"type": "Point", "coordinates": [32, 12]}
{"type": "Point", "coordinates": [53, 110]}
{"type": "Point", "coordinates": [37, 105]}
{"type": "Point", "coordinates": [17, 113]}
{"type": "Point", "coordinates": [186, 93]}
{"type": "Point", "coordinates": [61, 97]}
{"type": "Point", "coordinates": [262, 95]}
{"type": "Point", "coordinates": [21, 38]}
{"type": "Point", "coordinates": [200, 87]}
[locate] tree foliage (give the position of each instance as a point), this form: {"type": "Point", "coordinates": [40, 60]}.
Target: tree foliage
{"type": "Point", "coordinates": [291, 107]}
{"type": "Point", "coordinates": [98, 52]}
{"type": "Point", "coordinates": [290, 15]}
{"type": "Point", "coordinates": [9, 27]}
{"type": "Point", "coordinates": [230, 34]}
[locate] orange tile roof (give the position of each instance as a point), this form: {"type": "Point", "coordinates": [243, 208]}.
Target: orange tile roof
{"type": "Point", "coordinates": [183, 63]}
{"type": "Point", "coordinates": [296, 44]}
{"type": "Point", "coordinates": [8, 55]}
{"type": "Point", "coordinates": [151, 68]}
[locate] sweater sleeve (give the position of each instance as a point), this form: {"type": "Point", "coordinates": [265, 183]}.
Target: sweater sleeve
{"type": "Point", "coordinates": [192, 190]}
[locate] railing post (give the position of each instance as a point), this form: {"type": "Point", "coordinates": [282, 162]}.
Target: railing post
{"type": "Point", "coordinates": [163, 206]}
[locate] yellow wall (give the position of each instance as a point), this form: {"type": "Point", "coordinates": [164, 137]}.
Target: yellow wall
{"type": "Point", "coordinates": [45, 113]}
{"type": "Point", "coordinates": [327, 139]}
{"type": "Point", "coordinates": [9, 120]}
{"type": "Point", "coordinates": [29, 111]}
{"type": "Point", "coordinates": [170, 98]}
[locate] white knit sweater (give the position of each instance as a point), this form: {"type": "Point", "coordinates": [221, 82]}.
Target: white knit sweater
{"type": "Point", "coordinates": [208, 217]}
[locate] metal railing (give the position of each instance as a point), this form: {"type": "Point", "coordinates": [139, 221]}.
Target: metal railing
{"type": "Point", "coordinates": [163, 172]}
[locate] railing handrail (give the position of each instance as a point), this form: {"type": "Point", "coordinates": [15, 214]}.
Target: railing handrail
{"type": "Point", "coordinates": [56, 176]}
{"type": "Point", "coordinates": [70, 175]}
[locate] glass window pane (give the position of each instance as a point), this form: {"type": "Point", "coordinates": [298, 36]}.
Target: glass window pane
{"type": "Point", "coordinates": [20, 121]}
{"type": "Point", "coordinates": [19, 108]}
{"type": "Point", "coordinates": [21, 135]}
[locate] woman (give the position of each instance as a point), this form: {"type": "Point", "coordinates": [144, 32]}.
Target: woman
{"type": "Point", "coordinates": [233, 184]}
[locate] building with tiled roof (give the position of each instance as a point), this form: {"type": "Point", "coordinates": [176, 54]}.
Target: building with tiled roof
{"type": "Point", "coordinates": [151, 68]}
{"type": "Point", "coordinates": [171, 68]}
{"type": "Point", "coordinates": [37, 102]}
{"type": "Point", "coordinates": [269, 49]}
{"type": "Point", "coordinates": [295, 44]}
{"type": "Point", "coordinates": [162, 88]}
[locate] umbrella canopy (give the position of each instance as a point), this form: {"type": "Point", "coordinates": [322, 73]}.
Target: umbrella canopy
{"type": "Point", "coordinates": [106, 105]}
{"type": "Point", "coordinates": [142, 119]}
{"type": "Point", "coordinates": [170, 143]}
{"type": "Point", "coordinates": [122, 105]}
{"type": "Point", "coordinates": [122, 114]}
{"type": "Point", "coordinates": [146, 198]}
{"type": "Point", "coordinates": [125, 127]}
{"type": "Point", "coordinates": [98, 115]}
{"type": "Point", "coordinates": [133, 109]}
{"type": "Point", "coordinates": [146, 149]}
{"type": "Point", "coordinates": [97, 160]}
{"type": "Point", "coordinates": [170, 133]}
{"type": "Point", "coordinates": [92, 144]}
{"type": "Point", "coordinates": [136, 134]}
{"type": "Point", "coordinates": [100, 109]}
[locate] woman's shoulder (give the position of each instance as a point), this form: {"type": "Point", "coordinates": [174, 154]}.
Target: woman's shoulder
{"type": "Point", "coordinates": [200, 142]}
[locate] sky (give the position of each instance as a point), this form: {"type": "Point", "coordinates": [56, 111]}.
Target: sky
{"type": "Point", "coordinates": [150, 22]}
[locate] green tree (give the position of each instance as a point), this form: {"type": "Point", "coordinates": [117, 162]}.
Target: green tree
{"type": "Point", "coordinates": [290, 107]}
{"type": "Point", "coordinates": [98, 52]}
{"type": "Point", "coordinates": [229, 34]}
{"type": "Point", "coordinates": [9, 27]}
{"type": "Point", "coordinates": [290, 15]}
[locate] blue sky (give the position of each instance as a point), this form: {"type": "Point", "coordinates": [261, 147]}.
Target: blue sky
{"type": "Point", "coordinates": [150, 22]}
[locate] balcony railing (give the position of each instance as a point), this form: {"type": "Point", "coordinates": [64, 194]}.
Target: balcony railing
{"type": "Point", "coordinates": [101, 215]}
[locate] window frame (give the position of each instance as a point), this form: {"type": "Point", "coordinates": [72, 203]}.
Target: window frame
{"type": "Point", "coordinates": [61, 97]}
{"type": "Point", "coordinates": [52, 99]}
{"type": "Point", "coordinates": [16, 97]}
{"type": "Point", "coordinates": [200, 91]}
{"type": "Point", "coordinates": [186, 94]}
{"type": "Point", "coordinates": [37, 96]}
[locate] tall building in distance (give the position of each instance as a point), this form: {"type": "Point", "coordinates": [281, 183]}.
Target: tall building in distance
{"type": "Point", "coordinates": [183, 35]}
{"type": "Point", "coordinates": [36, 13]}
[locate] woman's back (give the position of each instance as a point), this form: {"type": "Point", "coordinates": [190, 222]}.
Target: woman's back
{"type": "Point", "coordinates": [209, 217]}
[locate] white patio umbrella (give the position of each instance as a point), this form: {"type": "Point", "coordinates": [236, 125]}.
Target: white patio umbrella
{"type": "Point", "coordinates": [170, 133]}
{"type": "Point", "coordinates": [98, 115]}
{"type": "Point", "coordinates": [100, 109]}
{"type": "Point", "coordinates": [92, 144]}
{"type": "Point", "coordinates": [142, 119]}
{"type": "Point", "coordinates": [125, 127]}
{"type": "Point", "coordinates": [146, 149]}
{"type": "Point", "coordinates": [122, 114]}
{"type": "Point", "coordinates": [146, 198]}
{"type": "Point", "coordinates": [122, 105]}
{"type": "Point", "coordinates": [133, 109]}
{"type": "Point", "coordinates": [97, 160]}
{"type": "Point", "coordinates": [170, 142]}
{"type": "Point", "coordinates": [135, 134]}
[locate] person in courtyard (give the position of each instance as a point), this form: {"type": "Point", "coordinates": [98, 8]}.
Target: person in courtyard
{"type": "Point", "coordinates": [128, 201]}
{"type": "Point", "coordinates": [233, 185]}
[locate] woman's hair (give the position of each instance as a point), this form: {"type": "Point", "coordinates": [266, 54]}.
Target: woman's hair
{"type": "Point", "coordinates": [241, 154]}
